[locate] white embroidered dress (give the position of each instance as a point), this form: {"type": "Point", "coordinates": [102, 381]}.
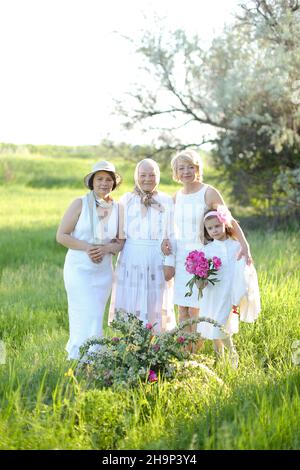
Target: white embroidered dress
{"type": "Point", "coordinates": [88, 284]}
{"type": "Point", "coordinates": [140, 287]}
{"type": "Point", "coordinates": [188, 232]}
{"type": "Point", "coordinates": [237, 285]}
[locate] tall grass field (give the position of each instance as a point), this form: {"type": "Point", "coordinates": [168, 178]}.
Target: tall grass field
{"type": "Point", "coordinates": [44, 406]}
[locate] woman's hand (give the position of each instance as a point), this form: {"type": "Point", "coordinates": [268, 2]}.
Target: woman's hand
{"type": "Point", "coordinates": [96, 253]}
{"type": "Point", "coordinates": [245, 251]}
{"type": "Point", "coordinates": [166, 247]}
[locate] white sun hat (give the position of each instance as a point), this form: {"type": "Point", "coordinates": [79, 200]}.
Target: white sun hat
{"type": "Point", "coordinates": [103, 166]}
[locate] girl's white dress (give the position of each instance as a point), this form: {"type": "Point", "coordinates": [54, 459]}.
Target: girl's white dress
{"type": "Point", "coordinates": [189, 236]}
{"type": "Point", "coordinates": [140, 287]}
{"type": "Point", "coordinates": [88, 284]}
{"type": "Point", "coordinates": [237, 285]}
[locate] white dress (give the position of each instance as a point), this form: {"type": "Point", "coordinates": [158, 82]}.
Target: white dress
{"type": "Point", "coordinates": [140, 287]}
{"type": "Point", "coordinates": [88, 284]}
{"type": "Point", "coordinates": [188, 233]}
{"type": "Point", "coordinates": [237, 285]}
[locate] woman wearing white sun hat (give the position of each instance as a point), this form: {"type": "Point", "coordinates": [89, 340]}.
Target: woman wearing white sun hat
{"type": "Point", "coordinates": [89, 229]}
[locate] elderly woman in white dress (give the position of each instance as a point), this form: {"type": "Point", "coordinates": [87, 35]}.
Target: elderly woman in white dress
{"type": "Point", "coordinates": [89, 230]}
{"type": "Point", "coordinates": [191, 201]}
{"type": "Point", "coordinates": [140, 285]}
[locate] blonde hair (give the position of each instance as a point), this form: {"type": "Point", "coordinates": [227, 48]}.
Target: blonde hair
{"type": "Point", "coordinates": [190, 156]}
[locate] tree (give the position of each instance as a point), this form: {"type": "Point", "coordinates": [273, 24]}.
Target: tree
{"type": "Point", "coordinates": [244, 86]}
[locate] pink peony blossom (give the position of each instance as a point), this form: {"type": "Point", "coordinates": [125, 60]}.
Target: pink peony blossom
{"type": "Point", "coordinates": [203, 269]}
{"type": "Point", "coordinates": [152, 377]}
{"type": "Point", "coordinates": [216, 262]}
{"type": "Point", "coordinates": [149, 326]}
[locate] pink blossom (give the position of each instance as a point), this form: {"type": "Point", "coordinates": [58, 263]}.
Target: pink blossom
{"type": "Point", "coordinates": [115, 339]}
{"type": "Point", "coordinates": [217, 262]}
{"type": "Point", "coordinates": [149, 326]}
{"type": "Point", "coordinates": [180, 339]}
{"type": "Point", "coordinates": [152, 376]}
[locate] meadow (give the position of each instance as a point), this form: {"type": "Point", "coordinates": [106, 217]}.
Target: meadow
{"type": "Point", "coordinates": [256, 406]}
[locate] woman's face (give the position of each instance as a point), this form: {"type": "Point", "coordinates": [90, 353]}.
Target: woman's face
{"type": "Point", "coordinates": [215, 229]}
{"type": "Point", "coordinates": [186, 171]}
{"type": "Point", "coordinates": [147, 177]}
{"type": "Point", "coordinates": [103, 183]}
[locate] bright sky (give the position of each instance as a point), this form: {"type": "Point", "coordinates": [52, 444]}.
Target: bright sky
{"type": "Point", "coordinates": [62, 64]}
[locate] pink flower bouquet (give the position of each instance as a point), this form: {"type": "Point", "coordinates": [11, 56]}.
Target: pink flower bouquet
{"type": "Point", "coordinates": [203, 269]}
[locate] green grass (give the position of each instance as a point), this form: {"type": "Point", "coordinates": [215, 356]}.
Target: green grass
{"type": "Point", "coordinates": [254, 407]}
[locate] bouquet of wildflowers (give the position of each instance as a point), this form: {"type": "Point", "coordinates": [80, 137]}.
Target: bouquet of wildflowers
{"type": "Point", "coordinates": [203, 269]}
{"type": "Point", "coordinates": [137, 354]}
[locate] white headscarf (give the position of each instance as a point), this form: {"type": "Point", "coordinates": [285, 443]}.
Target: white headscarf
{"type": "Point", "coordinates": [147, 199]}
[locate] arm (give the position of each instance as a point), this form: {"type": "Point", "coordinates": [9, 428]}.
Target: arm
{"type": "Point", "coordinates": [166, 245]}
{"type": "Point", "coordinates": [114, 247]}
{"type": "Point", "coordinates": [213, 198]}
{"type": "Point", "coordinates": [67, 226]}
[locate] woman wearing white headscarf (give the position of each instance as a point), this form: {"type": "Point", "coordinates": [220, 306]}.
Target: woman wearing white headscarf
{"type": "Point", "coordinates": [140, 286]}
{"type": "Point", "coordinates": [89, 229]}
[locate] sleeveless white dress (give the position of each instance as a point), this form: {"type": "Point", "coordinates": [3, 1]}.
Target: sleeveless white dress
{"type": "Point", "coordinates": [140, 287]}
{"type": "Point", "coordinates": [237, 285]}
{"type": "Point", "coordinates": [189, 236]}
{"type": "Point", "coordinates": [88, 284]}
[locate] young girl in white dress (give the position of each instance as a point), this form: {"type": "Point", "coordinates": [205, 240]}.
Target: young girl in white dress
{"type": "Point", "coordinates": [89, 229]}
{"type": "Point", "coordinates": [191, 202]}
{"type": "Point", "coordinates": [237, 285]}
{"type": "Point", "coordinates": [140, 287]}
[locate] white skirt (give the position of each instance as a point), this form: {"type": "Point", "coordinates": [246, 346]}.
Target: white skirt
{"type": "Point", "coordinates": [88, 287]}
{"type": "Point", "coordinates": [182, 276]}
{"type": "Point", "coordinates": [140, 287]}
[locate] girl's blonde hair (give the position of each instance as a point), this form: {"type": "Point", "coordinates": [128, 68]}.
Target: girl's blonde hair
{"type": "Point", "coordinates": [190, 156]}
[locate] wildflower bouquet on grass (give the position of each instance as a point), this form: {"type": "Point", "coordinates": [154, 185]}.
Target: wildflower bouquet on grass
{"type": "Point", "coordinates": [203, 269]}
{"type": "Point", "coordinates": [136, 355]}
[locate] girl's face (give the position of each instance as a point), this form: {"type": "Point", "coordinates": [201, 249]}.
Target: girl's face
{"type": "Point", "coordinates": [186, 171]}
{"type": "Point", "coordinates": [215, 229]}
{"type": "Point", "coordinates": [147, 178]}
{"type": "Point", "coordinates": [103, 183]}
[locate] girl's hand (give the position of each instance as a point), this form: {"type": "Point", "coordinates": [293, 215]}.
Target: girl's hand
{"type": "Point", "coordinates": [245, 251]}
{"type": "Point", "coordinates": [166, 247]}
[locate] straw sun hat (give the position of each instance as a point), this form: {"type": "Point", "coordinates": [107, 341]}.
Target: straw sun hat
{"type": "Point", "coordinates": [103, 166]}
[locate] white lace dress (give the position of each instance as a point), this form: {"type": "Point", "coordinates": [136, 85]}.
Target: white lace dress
{"type": "Point", "coordinates": [88, 284]}
{"type": "Point", "coordinates": [188, 233]}
{"type": "Point", "coordinates": [139, 286]}
{"type": "Point", "coordinates": [237, 285]}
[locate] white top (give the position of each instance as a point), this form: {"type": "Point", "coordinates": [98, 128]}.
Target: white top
{"type": "Point", "coordinates": [140, 223]}
{"type": "Point", "coordinates": [106, 228]}
{"type": "Point", "coordinates": [188, 216]}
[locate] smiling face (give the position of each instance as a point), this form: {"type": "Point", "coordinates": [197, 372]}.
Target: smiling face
{"type": "Point", "coordinates": [103, 183]}
{"type": "Point", "coordinates": [215, 228]}
{"type": "Point", "coordinates": [187, 172]}
{"type": "Point", "coordinates": [147, 177]}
